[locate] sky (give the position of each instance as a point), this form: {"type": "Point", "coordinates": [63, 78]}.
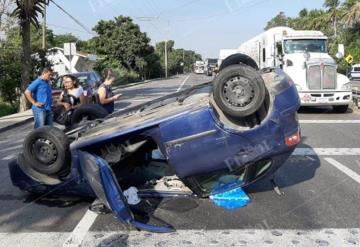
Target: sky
{"type": "Point", "coordinates": [205, 26]}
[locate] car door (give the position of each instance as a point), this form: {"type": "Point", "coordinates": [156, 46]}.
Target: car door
{"type": "Point", "coordinates": [102, 180]}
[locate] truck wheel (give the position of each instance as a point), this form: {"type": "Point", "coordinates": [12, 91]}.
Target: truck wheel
{"type": "Point", "coordinates": [340, 108]}
{"type": "Point", "coordinates": [88, 112]}
{"type": "Point", "coordinates": [46, 150]}
{"type": "Point", "coordinates": [239, 90]}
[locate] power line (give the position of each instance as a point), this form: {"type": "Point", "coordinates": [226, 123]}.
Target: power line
{"type": "Point", "coordinates": [67, 28]}
{"type": "Point", "coordinates": [73, 18]}
{"type": "Point", "coordinates": [178, 7]}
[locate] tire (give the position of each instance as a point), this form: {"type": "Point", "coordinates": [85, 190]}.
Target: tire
{"type": "Point", "coordinates": [46, 150]}
{"type": "Point", "coordinates": [340, 108]}
{"type": "Point", "coordinates": [88, 112]}
{"type": "Point", "coordinates": [249, 95]}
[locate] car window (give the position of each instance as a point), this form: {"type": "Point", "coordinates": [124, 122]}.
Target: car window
{"type": "Point", "coordinates": [83, 80]}
{"type": "Point", "coordinates": [58, 83]}
{"type": "Point", "coordinates": [98, 77]}
{"type": "Point", "coordinates": [93, 79]}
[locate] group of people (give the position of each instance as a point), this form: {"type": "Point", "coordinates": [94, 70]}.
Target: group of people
{"type": "Point", "coordinates": [39, 94]}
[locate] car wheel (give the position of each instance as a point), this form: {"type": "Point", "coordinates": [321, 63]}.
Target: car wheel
{"type": "Point", "coordinates": [239, 90]}
{"type": "Point", "coordinates": [46, 150]}
{"type": "Point", "coordinates": [88, 112]}
{"type": "Point", "coordinates": [340, 108]}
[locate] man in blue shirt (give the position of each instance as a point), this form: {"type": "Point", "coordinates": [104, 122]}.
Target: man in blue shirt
{"type": "Point", "coordinates": [39, 95]}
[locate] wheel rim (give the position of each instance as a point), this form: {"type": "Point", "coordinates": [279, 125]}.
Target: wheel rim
{"type": "Point", "coordinates": [45, 151]}
{"type": "Point", "coordinates": [238, 92]}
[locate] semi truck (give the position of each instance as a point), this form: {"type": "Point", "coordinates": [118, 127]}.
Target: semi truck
{"type": "Point", "coordinates": [303, 55]}
{"type": "Point", "coordinates": [199, 67]}
{"type": "Point", "coordinates": [210, 66]}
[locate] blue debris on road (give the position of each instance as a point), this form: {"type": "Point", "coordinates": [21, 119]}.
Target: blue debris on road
{"type": "Point", "coordinates": [231, 199]}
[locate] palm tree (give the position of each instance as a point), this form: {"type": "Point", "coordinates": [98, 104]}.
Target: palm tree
{"type": "Point", "coordinates": [352, 12]}
{"type": "Point", "coordinates": [27, 11]}
{"type": "Point", "coordinates": [334, 12]}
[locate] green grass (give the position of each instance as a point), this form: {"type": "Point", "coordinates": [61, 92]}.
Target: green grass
{"type": "Point", "coordinates": [6, 109]}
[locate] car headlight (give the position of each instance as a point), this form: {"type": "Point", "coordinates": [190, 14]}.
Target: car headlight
{"type": "Point", "coordinates": [298, 87]}
{"type": "Point", "coordinates": [346, 86]}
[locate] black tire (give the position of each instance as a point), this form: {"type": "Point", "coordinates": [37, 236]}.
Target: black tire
{"type": "Point", "coordinates": [246, 81]}
{"type": "Point", "coordinates": [88, 112]}
{"type": "Point", "coordinates": [46, 150]}
{"type": "Point", "coordinates": [340, 108]}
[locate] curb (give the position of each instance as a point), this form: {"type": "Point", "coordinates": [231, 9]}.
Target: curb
{"type": "Point", "coordinates": [4, 129]}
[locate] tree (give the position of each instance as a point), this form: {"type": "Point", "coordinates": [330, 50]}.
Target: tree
{"type": "Point", "coordinates": [5, 12]}
{"type": "Point", "coordinates": [352, 12]}
{"type": "Point", "coordinates": [278, 21]}
{"type": "Point", "coordinates": [334, 12]}
{"type": "Point", "coordinates": [120, 43]}
{"type": "Point", "coordinates": [176, 57]}
{"type": "Point", "coordinates": [27, 11]}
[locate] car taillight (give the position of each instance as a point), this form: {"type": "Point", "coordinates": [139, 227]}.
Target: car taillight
{"type": "Point", "coordinates": [293, 139]}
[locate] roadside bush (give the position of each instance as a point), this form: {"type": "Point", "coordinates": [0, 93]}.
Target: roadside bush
{"type": "Point", "coordinates": [10, 78]}
{"type": "Point", "coordinates": [6, 109]}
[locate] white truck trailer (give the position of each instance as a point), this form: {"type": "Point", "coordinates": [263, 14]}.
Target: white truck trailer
{"type": "Point", "coordinates": [303, 55]}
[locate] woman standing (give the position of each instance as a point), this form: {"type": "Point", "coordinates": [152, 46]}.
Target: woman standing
{"type": "Point", "coordinates": [105, 93]}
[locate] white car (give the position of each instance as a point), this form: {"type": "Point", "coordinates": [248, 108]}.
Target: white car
{"type": "Point", "coordinates": [355, 72]}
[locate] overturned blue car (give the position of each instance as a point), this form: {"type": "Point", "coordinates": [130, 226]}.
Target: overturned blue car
{"type": "Point", "coordinates": [221, 135]}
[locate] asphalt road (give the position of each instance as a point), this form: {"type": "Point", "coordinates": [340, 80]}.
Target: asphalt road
{"type": "Point", "coordinates": [321, 195]}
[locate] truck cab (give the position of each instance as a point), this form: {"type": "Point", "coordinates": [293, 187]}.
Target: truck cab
{"type": "Point", "coordinates": [303, 55]}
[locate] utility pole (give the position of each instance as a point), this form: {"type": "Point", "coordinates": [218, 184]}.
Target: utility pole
{"type": "Point", "coordinates": [166, 60]}
{"type": "Point", "coordinates": [44, 29]}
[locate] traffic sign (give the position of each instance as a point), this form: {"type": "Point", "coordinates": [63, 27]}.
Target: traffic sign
{"type": "Point", "coordinates": [349, 59]}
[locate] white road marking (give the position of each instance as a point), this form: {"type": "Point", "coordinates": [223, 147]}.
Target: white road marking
{"type": "Point", "coordinates": [9, 157]}
{"type": "Point", "coordinates": [326, 151]}
{"type": "Point", "coordinates": [80, 231]}
{"type": "Point", "coordinates": [355, 176]}
{"type": "Point", "coordinates": [183, 83]}
{"type": "Point", "coordinates": [11, 148]}
{"type": "Point", "coordinates": [38, 239]}
{"type": "Point", "coordinates": [329, 121]}
{"type": "Point", "coordinates": [228, 237]}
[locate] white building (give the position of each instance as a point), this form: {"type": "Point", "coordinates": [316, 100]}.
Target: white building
{"type": "Point", "coordinates": [64, 64]}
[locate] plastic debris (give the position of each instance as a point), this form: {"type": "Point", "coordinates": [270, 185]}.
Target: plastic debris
{"type": "Point", "coordinates": [132, 196]}
{"type": "Point", "coordinates": [231, 199]}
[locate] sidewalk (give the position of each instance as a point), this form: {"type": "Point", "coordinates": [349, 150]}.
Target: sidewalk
{"type": "Point", "coordinates": [14, 120]}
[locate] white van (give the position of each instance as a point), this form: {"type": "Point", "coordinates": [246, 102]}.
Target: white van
{"type": "Point", "coordinates": [355, 72]}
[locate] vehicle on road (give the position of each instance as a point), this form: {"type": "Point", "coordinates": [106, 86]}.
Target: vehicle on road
{"type": "Point", "coordinates": [210, 66]}
{"type": "Point", "coordinates": [213, 137]}
{"type": "Point", "coordinates": [303, 55]}
{"type": "Point", "coordinates": [355, 72]}
{"type": "Point", "coordinates": [199, 67]}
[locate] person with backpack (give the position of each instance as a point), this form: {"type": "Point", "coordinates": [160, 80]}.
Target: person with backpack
{"type": "Point", "coordinates": [73, 95]}
{"type": "Point", "coordinates": [70, 99]}
{"type": "Point", "coordinates": [105, 94]}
